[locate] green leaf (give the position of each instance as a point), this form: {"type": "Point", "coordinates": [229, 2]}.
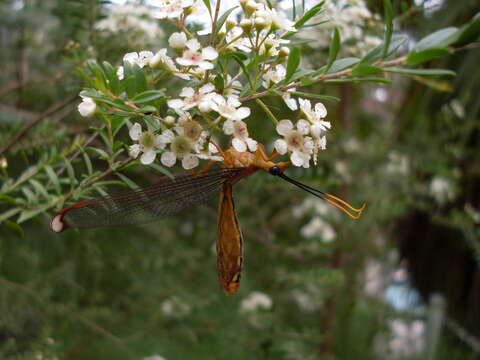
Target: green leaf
{"type": "Point", "coordinates": [130, 183]}
{"type": "Point", "coordinates": [219, 83]}
{"type": "Point", "coordinates": [161, 170]}
{"type": "Point", "coordinates": [31, 198]}
{"type": "Point", "coordinates": [39, 188]}
{"type": "Point", "coordinates": [342, 64]}
{"type": "Point", "coordinates": [8, 214]}
{"type": "Point", "coordinates": [88, 163]}
{"type": "Point", "coordinates": [363, 79]}
{"type": "Point", "coordinates": [365, 69]}
{"type": "Point", "coordinates": [28, 214]}
{"type": "Point", "coordinates": [5, 199]}
{"type": "Point", "coordinates": [112, 80]}
{"type": "Point", "coordinates": [304, 19]}
{"type": "Point", "coordinates": [209, 6]}
{"type": "Point", "coordinates": [469, 32]}
{"type": "Point", "coordinates": [101, 98]}
{"type": "Point", "coordinates": [53, 178]}
{"type": "Point", "coordinates": [14, 227]}
{"type": "Point", "coordinates": [148, 96]}
{"type": "Point", "coordinates": [421, 72]}
{"type": "Point", "coordinates": [293, 62]}
{"type": "Point", "coordinates": [333, 51]}
{"type": "Point", "coordinates": [221, 20]}
{"type": "Point", "coordinates": [70, 172]}
{"type": "Point", "coordinates": [439, 39]}
{"type": "Point", "coordinates": [378, 51]}
{"type": "Point", "coordinates": [426, 55]}
{"type": "Point", "coordinates": [98, 73]}
{"type": "Point", "coordinates": [388, 27]}
{"type": "Point", "coordinates": [134, 79]}
{"type": "Point", "coordinates": [315, 96]}
{"type": "Point", "coordinates": [101, 153]}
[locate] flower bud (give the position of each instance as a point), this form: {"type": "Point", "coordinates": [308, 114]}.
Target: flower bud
{"type": "Point", "coordinates": [230, 24]}
{"type": "Point", "coordinates": [283, 52]}
{"type": "Point", "coordinates": [87, 107]}
{"type": "Point", "coordinates": [260, 23]}
{"type": "Point", "coordinates": [177, 40]}
{"type": "Point", "coordinates": [246, 25]}
{"type": "Point", "coordinates": [250, 7]}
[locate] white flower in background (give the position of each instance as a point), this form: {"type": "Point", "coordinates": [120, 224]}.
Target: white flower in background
{"type": "Point", "coordinates": [256, 301]}
{"type": "Point", "coordinates": [295, 142]}
{"type": "Point", "coordinates": [162, 61]}
{"type": "Point", "coordinates": [319, 227]}
{"type": "Point", "coordinates": [230, 108]}
{"type": "Point", "coordinates": [320, 207]}
{"type": "Point", "coordinates": [441, 189]}
{"type": "Point", "coordinates": [305, 301]}
{"type": "Point", "coordinates": [203, 99]}
{"type": "Point", "coordinates": [154, 357]}
{"type": "Point", "coordinates": [87, 107]}
{"type": "Point", "coordinates": [177, 40]}
{"type": "Point", "coordinates": [407, 339]}
{"type": "Point", "coordinates": [171, 9]}
{"type": "Point", "coordinates": [240, 140]}
{"type": "Point", "coordinates": [175, 307]}
{"type": "Point", "coordinates": [141, 59]}
{"type": "Point", "coordinates": [234, 40]}
{"type": "Point", "coordinates": [148, 142]}
{"type": "Point", "coordinates": [120, 73]}
{"type": "Point", "coordinates": [280, 22]}
{"type": "Point", "coordinates": [194, 55]}
{"type": "Point", "coordinates": [272, 77]}
{"type": "Point", "coordinates": [398, 164]}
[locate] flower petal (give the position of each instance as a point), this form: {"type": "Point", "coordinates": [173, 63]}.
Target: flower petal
{"type": "Point", "coordinates": [303, 126]}
{"type": "Point", "coordinates": [208, 87]}
{"type": "Point", "coordinates": [252, 144]}
{"type": "Point", "coordinates": [168, 159]}
{"type": "Point", "coordinates": [135, 131]}
{"type": "Point", "coordinates": [321, 110]}
{"type": "Point", "coordinates": [242, 113]}
{"type": "Point", "coordinates": [187, 92]}
{"type": "Point", "coordinates": [134, 150]}
{"type": "Point", "coordinates": [228, 127]}
{"type": "Point", "coordinates": [284, 127]}
{"type": "Point", "coordinates": [209, 53]}
{"type": "Point", "coordinates": [148, 157]}
{"type": "Point", "coordinates": [189, 161]}
{"type": "Point", "coordinates": [239, 145]}
{"type": "Point", "coordinates": [296, 159]}
{"type": "Point", "coordinates": [175, 103]}
{"type": "Point", "coordinates": [281, 146]}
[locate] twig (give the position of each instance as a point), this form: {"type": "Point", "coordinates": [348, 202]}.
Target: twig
{"type": "Point", "coordinates": [51, 110]}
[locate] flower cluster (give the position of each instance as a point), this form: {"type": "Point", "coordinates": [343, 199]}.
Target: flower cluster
{"type": "Point", "coordinates": [183, 133]}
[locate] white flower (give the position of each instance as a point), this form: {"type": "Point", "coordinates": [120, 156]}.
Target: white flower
{"type": "Point", "coordinates": [241, 140]}
{"type": "Point", "coordinates": [141, 59]}
{"type": "Point", "coordinates": [441, 189]}
{"type": "Point", "coordinates": [175, 307]}
{"type": "Point", "coordinates": [193, 55]}
{"type": "Point", "coordinates": [162, 61]}
{"type": "Point", "coordinates": [148, 142]}
{"type": "Point", "coordinates": [87, 107]}
{"type": "Point", "coordinates": [256, 301]}
{"type": "Point", "coordinates": [295, 142]}
{"type": "Point", "coordinates": [280, 22]}
{"type": "Point", "coordinates": [319, 227]}
{"type": "Point", "coordinates": [229, 108]}
{"type": "Point", "coordinates": [203, 99]}
{"type": "Point", "coordinates": [177, 40]}
{"type": "Point", "coordinates": [120, 73]}
{"type": "Point", "coordinates": [273, 76]}
{"type": "Point", "coordinates": [172, 9]}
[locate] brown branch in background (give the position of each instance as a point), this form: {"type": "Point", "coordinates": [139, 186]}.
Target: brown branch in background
{"type": "Point", "coordinates": [20, 84]}
{"type": "Point", "coordinates": [51, 110]}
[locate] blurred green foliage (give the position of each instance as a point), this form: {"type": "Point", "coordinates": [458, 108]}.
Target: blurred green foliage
{"type": "Point", "coordinates": [134, 292]}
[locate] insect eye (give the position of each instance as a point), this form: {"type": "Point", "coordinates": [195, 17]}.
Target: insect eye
{"type": "Point", "coordinates": [275, 170]}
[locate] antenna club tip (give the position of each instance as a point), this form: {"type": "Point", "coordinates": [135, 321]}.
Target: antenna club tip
{"type": "Point", "coordinates": [57, 225]}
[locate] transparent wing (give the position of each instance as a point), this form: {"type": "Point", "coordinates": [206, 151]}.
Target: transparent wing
{"type": "Point", "coordinates": [164, 198]}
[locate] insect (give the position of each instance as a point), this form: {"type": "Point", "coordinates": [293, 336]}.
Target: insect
{"type": "Point", "coordinates": [170, 196]}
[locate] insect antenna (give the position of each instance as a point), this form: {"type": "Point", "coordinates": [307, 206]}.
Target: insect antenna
{"type": "Point", "coordinates": [348, 209]}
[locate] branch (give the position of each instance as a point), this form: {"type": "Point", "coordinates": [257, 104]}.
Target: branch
{"type": "Point", "coordinates": [51, 110]}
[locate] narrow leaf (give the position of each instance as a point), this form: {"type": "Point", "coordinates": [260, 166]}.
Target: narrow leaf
{"type": "Point", "coordinates": [426, 55]}
{"type": "Point", "coordinates": [439, 39]}
{"type": "Point", "coordinates": [221, 20]}
{"type": "Point", "coordinates": [333, 51]}
{"type": "Point", "coordinates": [363, 79]}
{"type": "Point", "coordinates": [316, 96]}
{"type": "Point", "coordinates": [377, 52]}
{"type": "Point", "coordinates": [148, 96]}
{"type": "Point", "coordinates": [469, 32]}
{"type": "Point", "coordinates": [53, 178]}
{"type": "Point", "coordinates": [364, 69]}
{"type": "Point", "coordinates": [130, 183]}
{"type": "Point", "coordinates": [14, 227]}
{"type": "Point", "coordinates": [388, 27]}
{"type": "Point", "coordinates": [293, 62]}
{"type": "Point", "coordinates": [161, 170]}
{"type": "Point", "coordinates": [209, 6]}
{"type": "Point", "coordinates": [421, 72]}
{"type": "Point", "coordinates": [303, 20]}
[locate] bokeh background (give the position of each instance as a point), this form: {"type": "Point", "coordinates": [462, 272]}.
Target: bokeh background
{"type": "Point", "coordinates": [403, 282]}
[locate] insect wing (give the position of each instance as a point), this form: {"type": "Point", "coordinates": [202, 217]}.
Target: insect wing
{"type": "Point", "coordinates": [229, 242]}
{"type": "Point", "coordinates": [166, 197]}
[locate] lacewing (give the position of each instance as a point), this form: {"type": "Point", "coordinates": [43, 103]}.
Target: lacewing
{"type": "Point", "coordinates": [170, 196]}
